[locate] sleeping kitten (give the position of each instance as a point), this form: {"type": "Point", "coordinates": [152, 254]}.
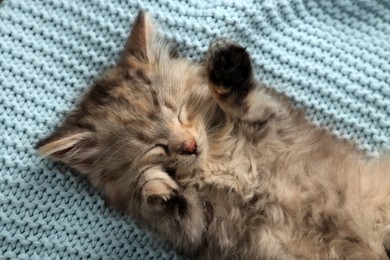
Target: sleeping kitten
{"type": "Point", "coordinates": [219, 166]}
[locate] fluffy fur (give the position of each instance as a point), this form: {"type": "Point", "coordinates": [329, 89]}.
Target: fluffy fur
{"type": "Point", "coordinates": [218, 165]}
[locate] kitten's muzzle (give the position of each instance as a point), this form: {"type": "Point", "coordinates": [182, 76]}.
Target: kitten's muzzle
{"type": "Point", "coordinates": [188, 147]}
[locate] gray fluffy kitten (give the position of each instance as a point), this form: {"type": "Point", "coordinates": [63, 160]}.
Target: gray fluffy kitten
{"type": "Point", "coordinates": [219, 166]}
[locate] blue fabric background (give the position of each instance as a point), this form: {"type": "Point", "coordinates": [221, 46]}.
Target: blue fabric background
{"type": "Point", "coordinates": [332, 57]}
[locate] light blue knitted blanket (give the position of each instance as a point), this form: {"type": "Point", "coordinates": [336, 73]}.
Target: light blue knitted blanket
{"type": "Point", "coordinates": [331, 56]}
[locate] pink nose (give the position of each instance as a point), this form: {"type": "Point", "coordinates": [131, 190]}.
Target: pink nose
{"type": "Point", "coordinates": [189, 146]}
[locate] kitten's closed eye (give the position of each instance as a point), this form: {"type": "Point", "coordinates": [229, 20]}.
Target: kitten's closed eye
{"type": "Point", "coordinates": [183, 117]}
{"type": "Point", "coordinates": [158, 150]}
{"type": "Point", "coordinates": [155, 155]}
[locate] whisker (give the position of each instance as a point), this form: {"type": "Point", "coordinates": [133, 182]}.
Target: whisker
{"type": "Point", "coordinates": [114, 153]}
{"type": "Point", "coordinates": [104, 153]}
{"type": "Point", "coordinates": [210, 130]}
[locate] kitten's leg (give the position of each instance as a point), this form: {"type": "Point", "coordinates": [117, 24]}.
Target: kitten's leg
{"type": "Point", "coordinates": [177, 214]}
{"type": "Point", "coordinates": [232, 83]}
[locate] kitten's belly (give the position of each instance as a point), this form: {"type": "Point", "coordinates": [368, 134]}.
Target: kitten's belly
{"type": "Point", "coordinates": [299, 206]}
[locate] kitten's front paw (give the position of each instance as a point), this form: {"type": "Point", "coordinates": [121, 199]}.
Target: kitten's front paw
{"type": "Point", "coordinates": [162, 193]}
{"type": "Point", "coordinates": [229, 67]}
{"type": "Point", "coordinates": [158, 187]}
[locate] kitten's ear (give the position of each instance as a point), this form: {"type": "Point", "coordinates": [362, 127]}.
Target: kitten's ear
{"type": "Point", "coordinates": [72, 146]}
{"type": "Point", "coordinates": [139, 44]}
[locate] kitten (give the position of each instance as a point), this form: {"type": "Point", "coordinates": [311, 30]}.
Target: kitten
{"type": "Point", "coordinates": [219, 166]}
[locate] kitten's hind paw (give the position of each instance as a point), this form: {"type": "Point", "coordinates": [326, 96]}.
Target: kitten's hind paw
{"type": "Point", "coordinates": [229, 67]}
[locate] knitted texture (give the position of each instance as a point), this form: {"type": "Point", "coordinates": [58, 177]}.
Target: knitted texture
{"type": "Point", "coordinates": [332, 57]}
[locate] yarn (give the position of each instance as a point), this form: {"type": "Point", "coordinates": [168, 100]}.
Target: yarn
{"type": "Point", "coordinates": [331, 57]}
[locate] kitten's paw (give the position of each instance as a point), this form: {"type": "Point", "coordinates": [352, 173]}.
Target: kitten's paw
{"type": "Point", "coordinates": [229, 68]}
{"type": "Point", "coordinates": [162, 193]}
{"type": "Point", "coordinates": [158, 187]}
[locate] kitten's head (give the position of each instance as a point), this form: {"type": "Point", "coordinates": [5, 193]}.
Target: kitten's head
{"type": "Point", "coordinates": [148, 110]}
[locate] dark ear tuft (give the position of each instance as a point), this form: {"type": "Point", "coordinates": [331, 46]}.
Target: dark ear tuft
{"type": "Point", "coordinates": [139, 43]}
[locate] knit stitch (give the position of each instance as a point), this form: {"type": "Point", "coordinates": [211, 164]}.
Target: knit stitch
{"type": "Point", "coordinates": [332, 57]}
